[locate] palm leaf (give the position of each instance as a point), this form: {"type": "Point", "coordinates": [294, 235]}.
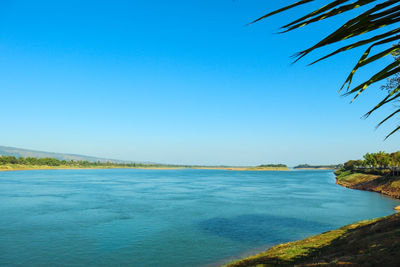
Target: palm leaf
{"type": "Point", "coordinates": [282, 10]}
{"type": "Point", "coordinates": [385, 73]}
{"type": "Point", "coordinates": [317, 12]}
{"type": "Point", "coordinates": [386, 100]}
{"type": "Point", "coordinates": [380, 15]}
{"type": "Point", "coordinates": [360, 43]}
{"type": "Point", "coordinates": [364, 61]}
{"type": "Point", "coordinates": [394, 131]}
{"type": "Point", "coordinates": [333, 12]}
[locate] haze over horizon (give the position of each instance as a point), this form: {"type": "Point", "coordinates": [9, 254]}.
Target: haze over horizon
{"type": "Point", "coordinates": [177, 82]}
{"type": "Point", "coordinates": [61, 155]}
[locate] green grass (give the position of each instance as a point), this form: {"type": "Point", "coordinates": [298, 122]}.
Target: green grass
{"type": "Point", "coordinates": [355, 244]}
{"type": "Point", "coordinates": [395, 184]}
{"type": "Point", "coordinates": [355, 178]}
{"type": "Point", "coordinates": [368, 243]}
{"type": "Point", "coordinates": [291, 252]}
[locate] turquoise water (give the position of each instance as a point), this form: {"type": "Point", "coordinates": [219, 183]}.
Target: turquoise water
{"type": "Point", "coordinates": [167, 217]}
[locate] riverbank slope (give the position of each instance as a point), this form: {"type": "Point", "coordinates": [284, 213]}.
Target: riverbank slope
{"type": "Point", "coordinates": [367, 243]}
{"type": "Point", "coordinates": [384, 184]}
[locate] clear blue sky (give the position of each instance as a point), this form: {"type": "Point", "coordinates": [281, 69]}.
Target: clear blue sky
{"type": "Point", "coordinates": [177, 82]}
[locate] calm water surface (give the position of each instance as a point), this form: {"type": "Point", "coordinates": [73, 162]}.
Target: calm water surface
{"type": "Point", "coordinates": [167, 217]}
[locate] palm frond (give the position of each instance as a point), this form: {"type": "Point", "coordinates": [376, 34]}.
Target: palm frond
{"type": "Point", "coordinates": [333, 12]}
{"type": "Point", "coordinates": [364, 60]}
{"type": "Point", "coordinates": [394, 131]}
{"type": "Point", "coordinates": [378, 16]}
{"type": "Point", "coordinates": [386, 100]}
{"type": "Point", "coordinates": [282, 10]}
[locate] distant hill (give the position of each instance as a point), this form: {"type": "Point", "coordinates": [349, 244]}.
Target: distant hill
{"type": "Point", "coordinates": [322, 167]}
{"type": "Point", "coordinates": [19, 152]}
{"type": "Point", "coordinates": [272, 166]}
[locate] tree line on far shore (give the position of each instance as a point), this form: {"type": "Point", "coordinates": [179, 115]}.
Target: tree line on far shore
{"type": "Point", "coordinates": [272, 166]}
{"type": "Point", "coordinates": [53, 162]}
{"type": "Point", "coordinates": [306, 166]}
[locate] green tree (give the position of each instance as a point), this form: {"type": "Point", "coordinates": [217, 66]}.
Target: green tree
{"type": "Point", "coordinates": [396, 158]}
{"type": "Point", "coordinates": [352, 164]}
{"type": "Point", "coordinates": [370, 15]}
{"type": "Point", "coordinates": [382, 159]}
{"type": "Point", "coordinates": [370, 160]}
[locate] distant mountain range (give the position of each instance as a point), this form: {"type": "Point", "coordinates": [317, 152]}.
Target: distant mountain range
{"type": "Point", "coordinates": [19, 152]}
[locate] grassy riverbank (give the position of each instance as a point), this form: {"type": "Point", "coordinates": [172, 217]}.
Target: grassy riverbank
{"type": "Point", "coordinates": [384, 184]}
{"type": "Point", "coordinates": [367, 243]}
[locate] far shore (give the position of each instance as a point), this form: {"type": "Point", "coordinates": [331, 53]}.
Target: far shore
{"type": "Point", "coordinates": [324, 169]}
{"type": "Point", "coordinates": [84, 168]}
{"type": "Point", "coordinates": [32, 168]}
{"type": "Point", "coordinates": [243, 168]}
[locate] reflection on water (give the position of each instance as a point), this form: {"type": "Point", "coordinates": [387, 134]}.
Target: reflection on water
{"type": "Point", "coordinates": [167, 218]}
